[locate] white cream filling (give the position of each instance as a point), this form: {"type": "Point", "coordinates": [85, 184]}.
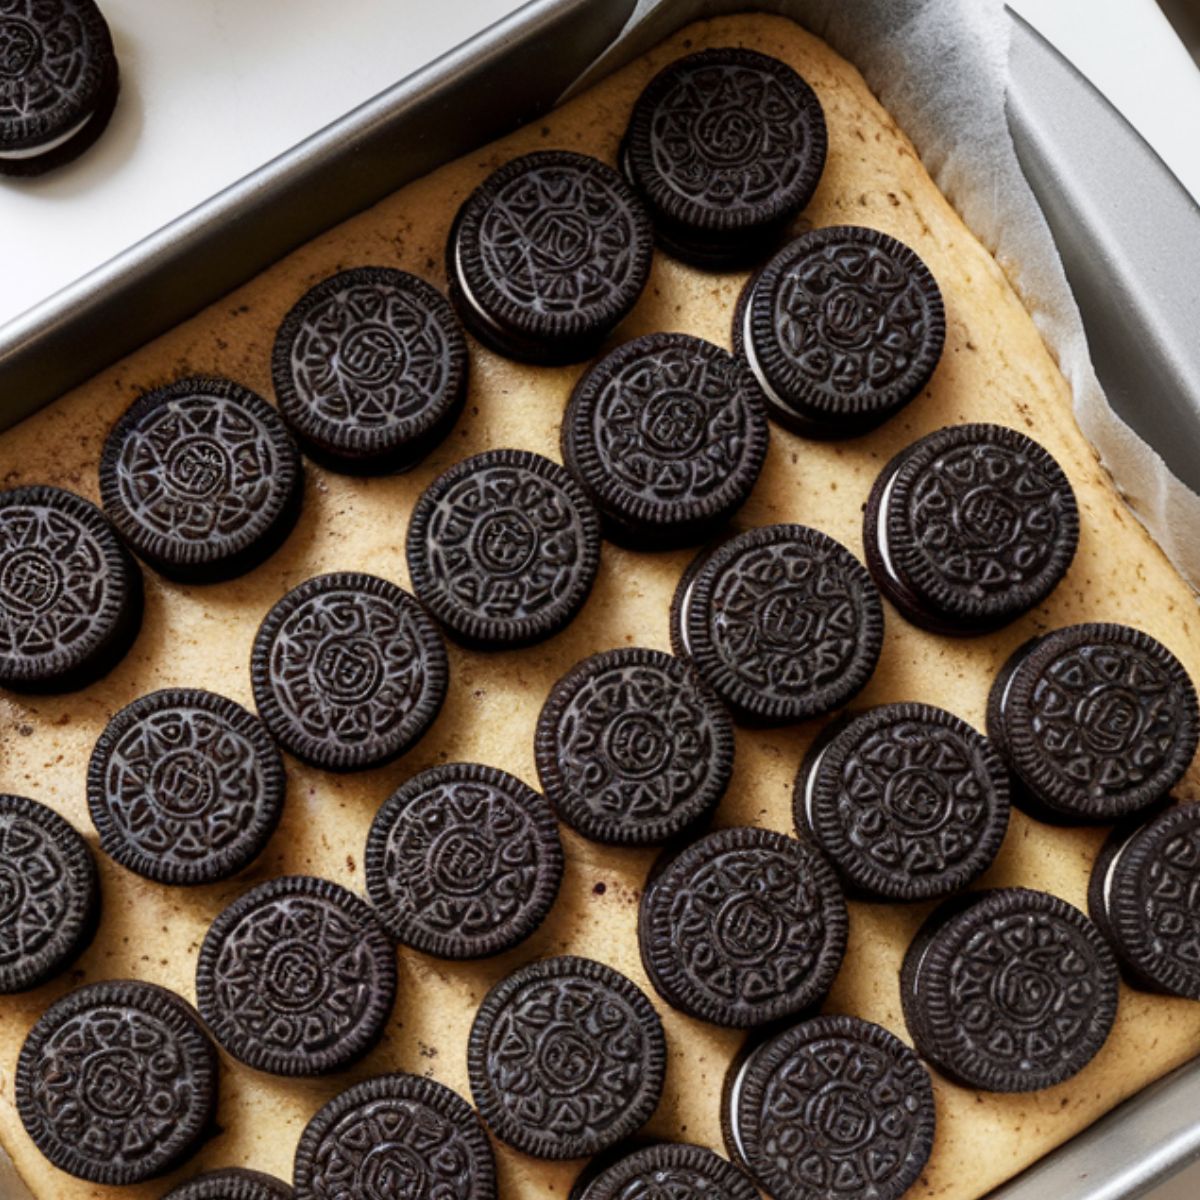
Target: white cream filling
{"type": "Point", "coordinates": [469, 296]}
{"type": "Point", "coordinates": [810, 786]}
{"type": "Point", "coordinates": [916, 975]}
{"type": "Point", "coordinates": [1110, 874]}
{"type": "Point", "coordinates": [881, 537]}
{"type": "Point", "coordinates": [45, 147]}
{"type": "Point", "coordinates": [683, 615]}
{"type": "Point", "coordinates": [735, 1096]}
{"type": "Point", "coordinates": [1008, 683]}
{"type": "Point", "coordinates": [752, 359]}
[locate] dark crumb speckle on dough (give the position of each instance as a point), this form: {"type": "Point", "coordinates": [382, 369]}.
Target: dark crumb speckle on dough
{"type": "Point", "coordinates": [600, 888]}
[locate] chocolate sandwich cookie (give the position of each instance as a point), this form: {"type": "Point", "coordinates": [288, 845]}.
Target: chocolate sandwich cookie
{"type": "Point", "coordinates": [185, 787]}
{"type": "Point", "coordinates": [1009, 990]}
{"type": "Point", "coordinates": [348, 671]}
{"type": "Point", "coordinates": [370, 370]}
{"type": "Point", "coordinates": [463, 861]}
{"type": "Point", "coordinates": [566, 1058]}
{"type": "Point", "coordinates": [743, 927]}
{"type": "Point", "coordinates": [1097, 722]}
{"type": "Point", "coordinates": [835, 1108]}
{"type": "Point", "coordinates": [970, 527]}
{"type": "Point", "coordinates": [842, 328]}
{"type": "Point", "coordinates": [70, 594]}
{"type": "Point", "coordinates": [724, 147]}
{"type": "Point", "coordinates": [667, 434]}
{"type": "Point", "coordinates": [49, 894]}
{"type": "Point", "coordinates": [908, 801]}
{"type": "Point", "coordinates": [666, 1171]}
{"type": "Point", "coordinates": [395, 1136]}
{"type": "Point", "coordinates": [231, 1183]}
{"type": "Point", "coordinates": [117, 1082]}
{"type": "Point", "coordinates": [296, 977]}
{"type": "Point", "coordinates": [633, 747]}
{"type": "Point", "coordinates": [58, 82]}
{"type": "Point", "coordinates": [202, 479]}
{"type": "Point", "coordinates": [547, 255]}
{"type": "Point", "coordinates": [1142, 896]}
{"type": "Point", "coordinates": [782, 621]}
{"type": "Point", "coordinates": [503, 548]}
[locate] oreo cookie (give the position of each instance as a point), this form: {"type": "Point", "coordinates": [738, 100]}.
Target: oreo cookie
{"type": "Point", "coordinates": [743, 927]}
{"type": "Point", "coordinates": [296, 977]}
{"type": "Point", "coordinates": [782, 621]}
{"type": "Point", "coordinates": [724, 147]}
{"type": "Point", "coordinates": [231, 1183]}
{"type": "Point", "coordinates": [395, 1135]}
{"type": "Point", "coordinates": [370, 370]}
{"type": "Point", "coordinates": [908, 801]}
{"type": "Point", "coordinates": [348, 671]}
{"type": "Point", "coordinates": [117, 1082]}
{"type": "Point", "coordinates": [185, 787]}
{"type": "Point", "coordinates": [503, 549]}
{"type": "Point", "coordinates": [833, 1107]}
{"type": "Point", "coordinates": [566, 1058]}
{"type": "Point", "coordinates": [58, 82]}
{"type": "Point", "coordinates": [666, 1171]}
{"type": "Point", "coordinates": [547, 255]}
{"type": "Point", "coordinates": [70, 594]}
{"type": "Point", "coordinates": [633, 747]}
{"type": "Point", "coordinates": [49, 894]}
{"type": "Point", "coordinates": [463, 861]}
{"type": "Point", "coordinates": [667, 435]}
{"type": "Point", "coordinates": [970, 527]}
{"type": "Point", "coordinates": [842, 328]}
{"type": "Point", "coordinates": [1009, 990]}
{"type": "Point", "coordinates": [202, 479]}
{"type": "Point", "coordinates": [1141, 896]}
{"type": "Point", "coordinates": [1097, 722]}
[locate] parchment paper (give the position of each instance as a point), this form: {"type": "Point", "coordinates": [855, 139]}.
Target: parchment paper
{"type": "Point", "coordinates": [940, 67]}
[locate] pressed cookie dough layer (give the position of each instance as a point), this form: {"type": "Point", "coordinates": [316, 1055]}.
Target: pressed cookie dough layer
{"type": "Point", "coordinates": [995, 368]}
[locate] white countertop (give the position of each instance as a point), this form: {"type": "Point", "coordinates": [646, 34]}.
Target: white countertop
{"type": "Point", "coordinates": [210, 90]}
{"type": "Point", "coordinates": [213, 88]}
{"type": "Point", "coordinates": [1128, 49]}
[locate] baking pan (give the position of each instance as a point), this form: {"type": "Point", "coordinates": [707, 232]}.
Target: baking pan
{"type": "Point", "coordinates": [486, 87]}
{"type": "Point", "coordinates": [519, 68]}
{"type": "Point", "coordinates": [1129, 236]}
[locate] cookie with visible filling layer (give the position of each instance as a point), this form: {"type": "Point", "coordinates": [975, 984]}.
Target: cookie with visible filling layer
{"type": "Point", "coordinates": [547, 254]}
{"type": "Point", "coordinates": [58, 83]}
{"type": "Point", "coordinates": [667, 434]}
{"type": "Point", "coordinates": [842, 329]}
{"type": "Point", "coordinates": [970, 527]}
{"type": "Point", "coordinates": [1096, 721]}
{"type": "Point", "coordinates": [724, 146]}
{"type": "Point", "coordinates": [370, 370]}
{"type": "Point", "coordinates": [566, 1058]}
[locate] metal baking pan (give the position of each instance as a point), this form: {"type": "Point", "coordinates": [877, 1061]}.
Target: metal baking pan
{"type": "Point", "coordinates": [1143, 325]}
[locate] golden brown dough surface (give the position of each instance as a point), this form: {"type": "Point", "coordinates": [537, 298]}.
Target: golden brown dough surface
{"type": "Point", "coordinates": [995, 368]}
